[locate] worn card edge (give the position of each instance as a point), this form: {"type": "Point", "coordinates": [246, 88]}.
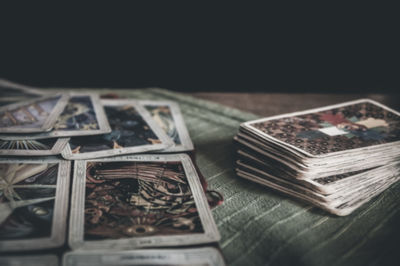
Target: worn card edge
{"type": "Point", "coordinates": [76, 235]}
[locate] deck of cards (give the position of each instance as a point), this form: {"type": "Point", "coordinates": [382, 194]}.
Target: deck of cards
{"type": "Point", "coordinates": [336, 157]}
{"type": "Point", "coordinates": [133, 185]}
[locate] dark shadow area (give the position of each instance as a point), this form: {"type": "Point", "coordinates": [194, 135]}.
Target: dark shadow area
{"type": "Point", "coordinates": [203, 49]}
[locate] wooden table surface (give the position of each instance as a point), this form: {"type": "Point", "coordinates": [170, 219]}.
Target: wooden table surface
{"type": "Point", "coordinates": [268, 104]}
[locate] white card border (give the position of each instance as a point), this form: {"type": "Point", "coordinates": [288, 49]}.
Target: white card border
{"type": "Point", "coordinates": [104, 126]}
{"type": "Point", "coordinates": [57, 148]}
{"type": "Point", "coordinates": [47, 124]}
{"type": "Point", "coordinates": [58, 230]}
{"type": "Point", "coordinates": [165, 140]}
{"type": "Point", "coordinates": [184, 256]}
{"type": "Point", "coordinates": [76, 232]}
{"type": "Point", "coordinates": [186, 142]}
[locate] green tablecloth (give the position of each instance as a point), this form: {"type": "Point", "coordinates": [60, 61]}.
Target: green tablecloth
{"type": "Point", "coordinates": [260, 226]}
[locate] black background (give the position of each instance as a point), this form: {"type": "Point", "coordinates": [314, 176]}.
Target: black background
{"type": "Point", "coordinates": [202, 48]}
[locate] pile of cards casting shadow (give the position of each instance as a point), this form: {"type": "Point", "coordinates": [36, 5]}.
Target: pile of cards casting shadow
{"type": "Point", "coordinates": [337, 157]}
{"type": "Point", "coordinates": [135, 189]}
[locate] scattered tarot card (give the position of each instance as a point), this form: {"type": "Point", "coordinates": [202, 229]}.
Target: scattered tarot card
{"type": "Point", "coordinates": [169, 117]}
{"type": "Point", "coordinates": [131, 202]}
{"type": "Point", "coordinates": [133, 131]}
{"type": "Point", "coordinates": [12, 92]}
{"type": "Point", "coordinates": [37, 115]}
{"type": "Point", "coordinates": [32, 147]}
{"type": "Point", "coordinates": [33, 203]}
{"type": "Point", "coordinates": [83, 115]}
{"type": "Point", "coordinates": [206, 256]}
{"type": "Point", "coordinates": [29, 260]}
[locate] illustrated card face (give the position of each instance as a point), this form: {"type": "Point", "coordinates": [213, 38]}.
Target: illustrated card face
{"type": "Point", "coordinates": [33, 203]}
{"type": "Point", "coordinates": [83, 115]}
{"type": "Point", "coordinates": [33, 147]}
{"type": "Point", "coordinates": [139, 201]}
{"type": "Point", "coordinates": [168, 116]}
{"type": "Point", "coordinates": [133, 131]}
{"type": "Point", "coordinates": [346, 126]}
{"type": "Point", "coordinates": [37, 115]}
{"type": "Point", "coordinates": [168, 257]}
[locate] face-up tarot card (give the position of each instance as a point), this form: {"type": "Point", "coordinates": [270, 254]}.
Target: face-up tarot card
{"type": "Point", "coordinates": [168, 257]}
{"type": "Point", "coordinates": [31, 260]}
{"type": "Point", "coordinates": [133, 131]}
{"type": "Point", "coordinates": [83, 115]}
{"type": "Point", "coordinates": [33, 147]}
{"type": "Point", "coordinates": [130, 202]}
{"type": "Point", "coordinates": [33, 203]}
{"type": "Point", "coordinates": [38, 115]}
{"type": "Point", "coordinates": [11, 92]}
{"type": "Point", "coordinates": [333, 129]}
{"type": "Point", "coordinates": [169, 117]}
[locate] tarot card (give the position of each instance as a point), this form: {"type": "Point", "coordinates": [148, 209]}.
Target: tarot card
{"type": "Point", "coordinates": [11, 92]}
{"type": "Point", "coordinates": [37, 115]}
{"type": "Point", "coordinates": [341, 209]}
{"type": "Point", "coordinates": [323, 185]}
{"type": "Point", "coordinates": [31, 260]}
{"type": "Point", "coordinates": [333, 129]}
{"type": "Point", "coordinates": [133, 131]}
{"type": "Point", "coordinates": [38, 147]}
{"type": "Point", "coordinates": [169, 117]}
{"type": "Point", "coordinates": [344, 194]}
{"type": "Point", "coordinates": [206, 256]}
{"type": "Point", "coordinates": [33, 203]}
{"type": "Point", "coordinates": [325, 168]}
{"type": "Point", "coordinates": [83, 115]}
{"type": "Point", "coordinates": [130, 202]}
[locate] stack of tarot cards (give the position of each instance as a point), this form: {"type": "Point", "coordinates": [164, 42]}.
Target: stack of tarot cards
{"type": "Point", "coordinates": [122, 199]}
{"type": "Point", "coordinates": [336, 157]}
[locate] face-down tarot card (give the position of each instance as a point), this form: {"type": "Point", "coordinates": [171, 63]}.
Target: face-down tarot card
{"type": "Point", "coordinates": [133, 131]}
{"type": "Point", "coordinates": [337, 129]}
{"type": "Point", "coordinates": [33, 203]}
{"type": "Point", "coordinates": [130, 202]}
